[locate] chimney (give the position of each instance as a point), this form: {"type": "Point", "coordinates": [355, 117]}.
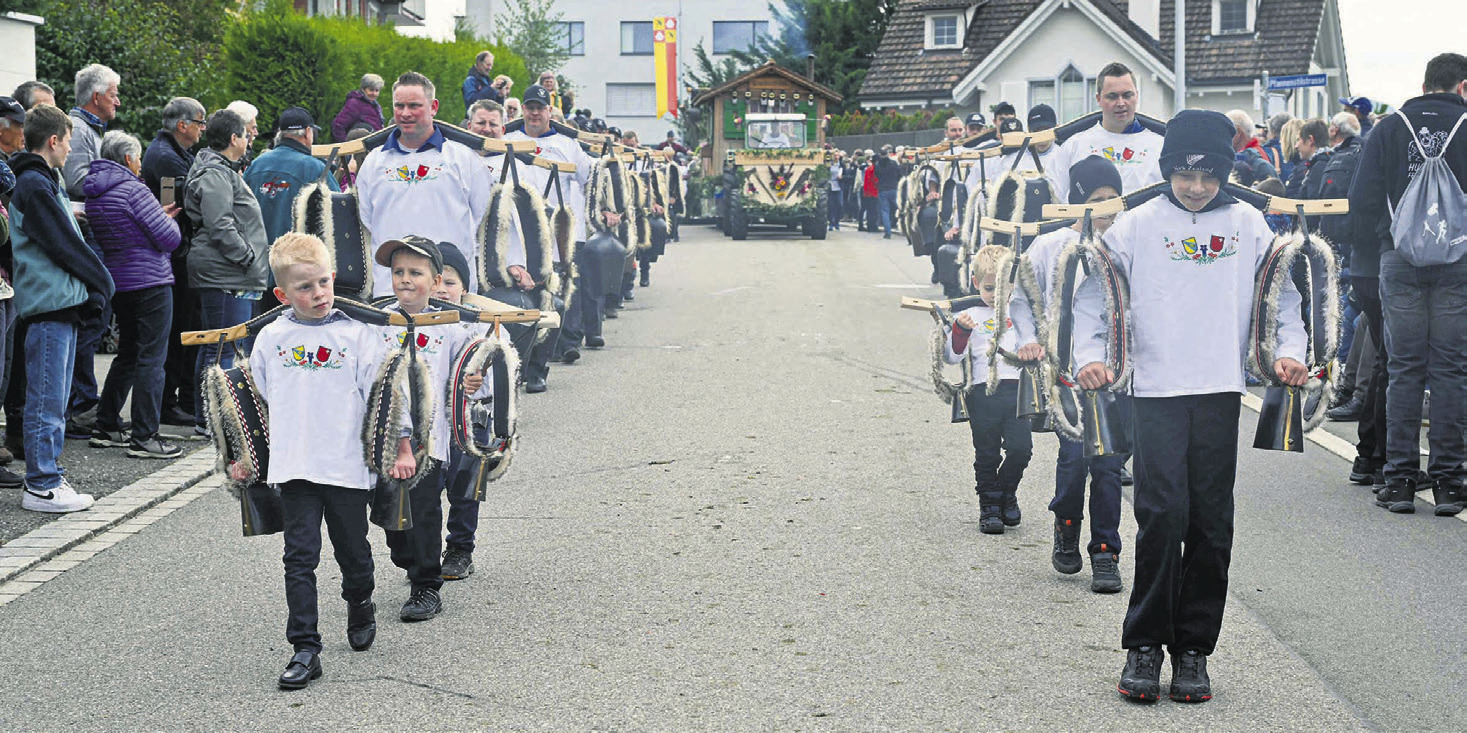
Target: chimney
{"type": "Point", "coordinates": [1147, 14]}
{"type": "Point", "coordinates": [810, 66]}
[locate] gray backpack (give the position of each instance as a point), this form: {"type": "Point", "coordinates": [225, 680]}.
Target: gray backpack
{"type": "Point", "coordinates": [1429, 223]}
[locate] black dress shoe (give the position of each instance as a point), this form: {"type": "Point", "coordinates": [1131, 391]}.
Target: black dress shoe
{"type": "Point", "coordinates": [570, 356]}
{"type": "Point", "coordinates": [629, 295]}
{"type": "Point", "coordinates": [645, 281]}
{"type": "Point", "coordinates": [361, 624]}
{"type": "Point", "coordinates": [176, 416]}
{"type": "Point", "coordinates": [303, 667]}
{"type": "Point", "coordinates": [610, 313]}
{"type": "Point", "coordinates": [595, 342]}
{"type": "Point", "coordinates": [535, 385]}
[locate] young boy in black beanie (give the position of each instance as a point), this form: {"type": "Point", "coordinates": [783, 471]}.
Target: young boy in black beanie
{"type": "Point", "coordinates": [1190, 257]}
{"type": "Point", "coordinates": [1091, 180]}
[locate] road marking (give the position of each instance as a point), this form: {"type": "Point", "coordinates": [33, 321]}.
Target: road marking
{"type": "Point", "coordinates": [1336, 445]}
{"type": "Point", "coordinates": [902, 286]}
{"type": "Point", "coordinates": [726, 291]}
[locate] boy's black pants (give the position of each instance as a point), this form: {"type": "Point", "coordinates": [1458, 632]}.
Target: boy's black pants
{"type": "Point", "coordinates": [1002, 443]}
{"type": "Point", "coordinates": [419, 550]}
{"type": "Point", "coordinates": [304, 505]}
{"type": "Point", "coordinates": [1186, 460]}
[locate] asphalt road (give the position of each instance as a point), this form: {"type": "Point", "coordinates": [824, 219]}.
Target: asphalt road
{"type": "Point", "coordinates": [750, 513]}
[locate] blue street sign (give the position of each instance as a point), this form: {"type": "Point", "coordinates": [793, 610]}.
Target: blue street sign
{"type": "Point", "coordinates": [1297, 81]}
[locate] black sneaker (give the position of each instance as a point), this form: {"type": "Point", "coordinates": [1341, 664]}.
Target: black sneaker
{"type": "Point", "coordinates": [1341, 397]}
{"type": "Point", "coordinates": [78, 430]}
{"type": "Point", "coordinates": [1349, 412]}
{"type": "Point", "coordinates": [571, 356]}
{"type": "Point", "coordinates": [1105, 571]}
{"type": "Point", "coordinates": [1141, 679]}
{"type": "Point", "coordinates": [1377, 481]}
{"type": "Point", "coordinates": [108, 439]}
{"type": "Point", "coordinates": [645, 281]}
{"type": "Point", "coordinates": [153, 447]}
{"type": "Point", "coordinates": [990, 520]}
{"type": "Point", "coordinates": [1066, 556]}
{"type": "Point", "coordinates": [457, 564]}
{"type": "Point", "coordinates": [11, 480]}
{"type": "Point", "coordinates": [595, 342]}
{"type": "Point", "coordinates": [423, 604]}
{"type": "Point", "coordinates": [1189, 677]}
{"type": "Point", "coordinates": [1361, 471]}
{"type": "Point", "coordinates": [1398, 496]}
{"type": "Point", "coordinates": [177, 416]}
{"type": "Point", "coordinates": [1010, 511]}
{"type": "Point", "coordinates": [1449, 495]}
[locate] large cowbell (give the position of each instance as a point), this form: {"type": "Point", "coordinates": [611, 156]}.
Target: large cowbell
{"type": "Point", "coordinates": [351, 252]}
{"type": "Point", "coordinates": [658, 226]}
{"type": "Point", "coordinates": [948, 272]}
{"type": "Point", "coordinates": [1105, 430]}
{"type": "Point", "coordinates": [1037, 193]}
{"type": "Point", "coordinates": [1281, 420]}
{"type": "Point", "coordinates": [927, 227]}
{"type": "Point", "coordinates": [605, 257]}
{"type": "Point", "coordinates": [522, 335]}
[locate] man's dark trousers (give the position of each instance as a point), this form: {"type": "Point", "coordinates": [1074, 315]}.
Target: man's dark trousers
{"type": "Point", "coordinates": [1186, 460]}
{"type": "Point", "coordinates": [1425, 311]}
{"type": "Point", "coordinates": [1372, 428]}
{"type": "Point", "coordinates": [304, 505]}
{"type": "Point", "coordinates": [419, 550]}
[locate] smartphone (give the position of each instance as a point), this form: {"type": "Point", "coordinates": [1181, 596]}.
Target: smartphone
{"type": "Point", "coordinates": [167, 194]}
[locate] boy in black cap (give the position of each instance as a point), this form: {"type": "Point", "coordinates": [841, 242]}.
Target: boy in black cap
{"type": "Point", "coordinates": [463, 512]}
{"type": "Point", "coordinates": [1190, 256]}
{"type": "Point", "coordinates": [1092, 180]}
{"type": "Point", "coordinates": [416, 265]}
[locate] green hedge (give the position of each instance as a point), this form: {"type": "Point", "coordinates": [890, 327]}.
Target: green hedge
{"type": "Point", "coordinates": [858, 122]}
{"type": "Point", "coordinates": [276, 58]}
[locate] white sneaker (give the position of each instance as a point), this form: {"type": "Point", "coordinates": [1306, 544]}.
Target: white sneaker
{"type": "Point", "coordinates": [60, 500]}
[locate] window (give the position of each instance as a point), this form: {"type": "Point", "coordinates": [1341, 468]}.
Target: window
{"type": "Point", "coordinates": [944, 31]}
{"type": "Point", "coordinates": [631, 100]}
{"type": "Point", "coordinates": [737, 35]}
{"type": "Point", "coordinates": [636, 38]}
{"type": "Point", "coordinates": [1042, 92]}
{"type": "Point", "coordinates": [572, 37]}
{"type": "Point", "coordinates": [1232, 16]}
{"type": "Point", "coordinates": [1071, 94]}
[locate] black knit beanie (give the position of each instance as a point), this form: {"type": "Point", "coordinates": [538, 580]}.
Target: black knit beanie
{"type": "Point", "coordinates": [1198, 140]}
{"type": "Point", "coordinates": [452, 257]}
{"type": "Point", "coordinates": [1090, 174]}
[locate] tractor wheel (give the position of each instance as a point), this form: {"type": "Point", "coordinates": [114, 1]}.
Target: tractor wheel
{"type": "Point", "coordinates": [738, 218]}
{"type": "Point", "coordinates": [815, 225]}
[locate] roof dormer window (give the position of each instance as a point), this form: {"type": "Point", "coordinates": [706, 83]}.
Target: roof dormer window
{"type": "Point", "coordinates": [1232, 17]}
{"type": "Point", "coordinates": [944, 31]}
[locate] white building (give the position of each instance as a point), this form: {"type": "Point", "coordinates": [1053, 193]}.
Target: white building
{"type": "Point", "coordinates": [973, 54]}
{"type": "Point", "coordinates": [18, 38]}
{"type": "Point", "coordinates": [611, 64]}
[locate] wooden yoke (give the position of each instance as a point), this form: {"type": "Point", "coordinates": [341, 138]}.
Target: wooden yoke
{"type": "Point", "coordinates": [1279, 204]}
{"type": "Point", "coordinates": [491, 310]}
{"type": "Point", "coordinates": [235, 333]}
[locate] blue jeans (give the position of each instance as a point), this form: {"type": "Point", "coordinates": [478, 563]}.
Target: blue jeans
{"type": "Point", "coordinates": [1425, 310]}
{"type": "Point", "coordinates": [218, 309]}
{"type": "Point", "coordinates": [1105, 493]}
{"type": "Point", "coordinates": [143, 319]}
{"type": "Point", "coordinates": [89, 332]}
{"type": "Point", "coordinates": [50, 355]}
{"type": "Point", "coordinates": [1347, 317]}
{"type": "Point", "coordinates": [886, 202]}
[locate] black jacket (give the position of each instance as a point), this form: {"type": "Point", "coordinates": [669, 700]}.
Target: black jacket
{"type": "Point", "coordinates": [888, 173]}
{"type": "Point", "coordinates": [165, 158]}
{"type": "Point", "coordinates": [1332, 181]}
{"type": "Point", "coordinates": [1389, 161]}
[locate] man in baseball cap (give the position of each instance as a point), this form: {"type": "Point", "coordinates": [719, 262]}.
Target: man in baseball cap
{"type": "Point", "coordinates": [297, 118]}
{"type": "Point", "coordinates": [283, 172]}
{"type": "Point", "coordinates": [12, 124]}
{"type": "Point", "coordinates": [1361, 107]}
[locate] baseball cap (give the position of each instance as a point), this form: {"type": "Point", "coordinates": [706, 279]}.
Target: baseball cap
{"type": "Point", "coordinates": [978, 119]}
{"type": "Point", "coordinates": [1041, 117]}
{"type": "Point", "coordinates": [1011, 124]}
{"type": "Point", "coordinates": [297, 118]}
{"type": "Point", "coordinates": [1363, 105]}
{"type": "Point", "coordinates": [536, 93]}
{"type": "Point", "coordinates": [421, 245]}
{"type": "Point", "coordinates": [11, 110]}
{"type": "Point", "coordinates": [452, 257]}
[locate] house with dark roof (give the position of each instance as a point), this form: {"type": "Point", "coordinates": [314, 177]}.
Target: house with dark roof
{"type": "Point", "coordinates": [972, 54]}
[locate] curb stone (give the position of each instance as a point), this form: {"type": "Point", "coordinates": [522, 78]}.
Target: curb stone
{"type": "Point", "coordinates": [82, 530]}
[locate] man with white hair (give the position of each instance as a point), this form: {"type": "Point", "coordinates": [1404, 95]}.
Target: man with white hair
{"type": "Point", "coordinates": [1247, 149]}
{"type": "Point", "coordinates": [250, 114]}
{"type": "Point", "coordinates": [97, 104]}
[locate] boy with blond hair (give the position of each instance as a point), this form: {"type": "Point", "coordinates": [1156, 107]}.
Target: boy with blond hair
{"type": "Point", "coordinates": [315, 355]}
{"type": "Point", "coordinates": [1002, 444]}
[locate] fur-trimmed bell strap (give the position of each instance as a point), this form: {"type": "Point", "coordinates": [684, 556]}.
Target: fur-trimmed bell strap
{"type": "Point", "coordinates": [239, 422]}
{"type": "Point", "coordinates": [1295, 251]}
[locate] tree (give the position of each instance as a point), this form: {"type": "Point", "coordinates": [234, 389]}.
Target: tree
{"type": "Point", "coordinates": [843, 35]}
{"type": "Point", "coordinates": [533, 30]}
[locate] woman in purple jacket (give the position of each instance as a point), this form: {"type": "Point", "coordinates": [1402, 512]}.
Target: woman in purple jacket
{"type": "Point", "coordinates": [137, 236]}
{"type": "Point", "coordinates": [361, 108]}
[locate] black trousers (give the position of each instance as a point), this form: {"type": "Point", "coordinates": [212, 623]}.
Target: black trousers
{"type": "Point", "coordinates": [1372, 427]}
{"type": "Point", "coordinates": [1186, 461]}
{"type": "Point", "coordinates": [419, 550]}
{"type": "Point", "coordinates": [178, 367]}
{"type": "Point", "coordinates": [1002, 443]}
{"type": "Point", "coordinates": [304, 505]}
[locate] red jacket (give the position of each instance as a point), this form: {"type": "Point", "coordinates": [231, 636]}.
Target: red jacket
{"type": "Point", "coordinates": [868, 182]}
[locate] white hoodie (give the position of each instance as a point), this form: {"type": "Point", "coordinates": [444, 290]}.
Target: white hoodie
{"type": "Point", "coordinates": [1192, 279]}
{"type": "Point", "coordinates": [984, 325]}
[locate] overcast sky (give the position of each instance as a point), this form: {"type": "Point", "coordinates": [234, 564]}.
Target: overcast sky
{"type": "Point", "coordinates": [1388, 42]}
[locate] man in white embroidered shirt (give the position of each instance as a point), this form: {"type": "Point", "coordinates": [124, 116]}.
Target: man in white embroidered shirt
{"type": "Point", "coordinates": [419, 183]}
